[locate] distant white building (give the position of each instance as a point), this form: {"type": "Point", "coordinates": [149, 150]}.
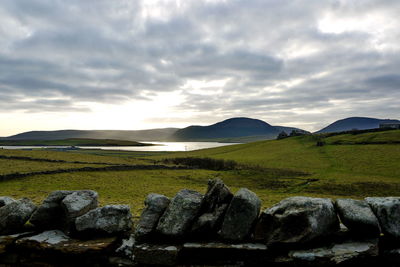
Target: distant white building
{"type": "Point", "coordinates": [392, 125]}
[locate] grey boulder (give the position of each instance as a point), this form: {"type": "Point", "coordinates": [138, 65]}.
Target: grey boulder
{"type": "Point", "coordinates": [14, 215]}
{"type": "Point", "coordinates": [217, 194]}
{"type": "Point", "coordinates": [180, 214]}
{"type": "Point", "coordinates": [79, 202]}
{"type": "Point", "coordinates": [241, 215]}
{"type": "Point", "coordinates": [214, 205]}
{"type": "Point", "coordinates": [110, 219]}
{"type": "Point", "coordinates": [155, 205]}
{"type": "Point", "coordinates": [358, 217]}
{"type": "Point", "coordinates": [5, 201]}
{"type": "Point", "coordinates": [297, 220]}
{"type": "Point", "coordinates": [50, 214]}
{"type": "Point", "coordinates": [387, 210]}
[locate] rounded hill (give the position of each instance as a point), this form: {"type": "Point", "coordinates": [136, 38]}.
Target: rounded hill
{"type": "Point", "coordinates": [234, 127]}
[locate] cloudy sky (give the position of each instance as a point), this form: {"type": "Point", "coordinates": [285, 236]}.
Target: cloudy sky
{"type": "Point", "coordinates": [95, 64]}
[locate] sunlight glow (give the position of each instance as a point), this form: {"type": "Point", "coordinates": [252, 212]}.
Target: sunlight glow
{"type": "Point", "coordinates": [131, 115]}
{"type": "Point", "coordinates": [299, 50]}
{"type": "Point", "coordinates": [161, 10]}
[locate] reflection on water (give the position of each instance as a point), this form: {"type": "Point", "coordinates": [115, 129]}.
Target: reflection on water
{"type": "Point", "coordinates": [159, 146]}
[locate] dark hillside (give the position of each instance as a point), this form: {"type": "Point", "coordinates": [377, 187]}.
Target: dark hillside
{"type": "Point", "coordinates": [139, 135]}
{"type": "Point", "coordinates": [352, 123]}
{"type": "Point", "coordinates": [230, 128]}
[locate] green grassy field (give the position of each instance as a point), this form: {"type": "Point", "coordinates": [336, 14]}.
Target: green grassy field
{"type": "Point", "coordinates": [354, 167]}
{"type": "Point", "coordinates": [26, 166]}
{"type": "Point", "coordinates": [84, 155]}
{"type": "Point", "coordinates": [367, 138]}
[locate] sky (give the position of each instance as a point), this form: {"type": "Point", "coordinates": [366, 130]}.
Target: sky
{"type": "Point", "coordinates": [100, 64]}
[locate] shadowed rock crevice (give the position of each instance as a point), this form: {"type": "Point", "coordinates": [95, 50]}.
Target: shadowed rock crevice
{"type": "Point", "coordinates": [213, 209]}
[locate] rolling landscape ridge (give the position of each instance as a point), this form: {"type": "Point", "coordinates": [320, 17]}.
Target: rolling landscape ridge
{"type": "Point", "coordinates": [319, 167]}
{"type": "Point", "coordinates": [350, 163]}
{"type": "Point", "coordinates": [239, 130]}
{"type": "Point", "coordinates": [139, 135]}
{"type": "Point", "coordinates": [343, 166]}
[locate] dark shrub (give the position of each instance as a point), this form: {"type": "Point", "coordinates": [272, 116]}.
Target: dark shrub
{"type": "Point", "coordinates": [203, 163]}
{"type": "Point", "coordinates": [320, 143]}
{"type": "Point", "coordinates": [282, 135]}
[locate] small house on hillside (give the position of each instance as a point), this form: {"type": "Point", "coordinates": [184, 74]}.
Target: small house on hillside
{"type": "Point", "coordinates": [392, 125]}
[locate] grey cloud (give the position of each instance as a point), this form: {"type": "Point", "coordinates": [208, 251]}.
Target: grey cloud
{"type": "Point", "coordinates": [106, 52]}
{"type": "Point", "coordinates": [391, 81]}
{"type": "Point", "coordinates": [40, 105]}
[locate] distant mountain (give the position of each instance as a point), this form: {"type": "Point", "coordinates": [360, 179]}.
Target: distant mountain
{"type": "Point", "coordinates": [227, 130]}
{"type": "Point", "coordinates": [72, 142]}
{"type": "Point", "coordinates": [139, 135]}
{"type": "Point", "coordinates": [352, 123]}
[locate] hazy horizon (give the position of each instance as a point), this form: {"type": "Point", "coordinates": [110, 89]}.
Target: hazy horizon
{"type": "Point", "coordinates": [131, 65]}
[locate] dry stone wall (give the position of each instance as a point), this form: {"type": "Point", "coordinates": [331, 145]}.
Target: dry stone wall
{"type": "Point", "coordinates": [216, 229]}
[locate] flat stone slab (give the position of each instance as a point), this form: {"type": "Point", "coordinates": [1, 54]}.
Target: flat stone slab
{"type": "Point", "coordinates": [46, 238]}
{"type": "Point", "coordinates": [55, 240]}
{"type": "Point", "coordinates": [94, 245]}
{"type": "Point", "coordinates": [7, 240]}
{"type": "Point", "coordinates": [337, 254]}
{"type": "Point", "coordinates": [156, 254]}
{"type": "Point", "coordinates": [226, 254]}
{"type": "Point", "coordinates": [218, 245]}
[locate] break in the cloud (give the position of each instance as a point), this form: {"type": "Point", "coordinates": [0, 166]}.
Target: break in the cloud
{"type": "Point", "coordinates": [142, 64]}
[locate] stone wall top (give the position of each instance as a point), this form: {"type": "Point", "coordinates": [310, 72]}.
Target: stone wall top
{"type": "Point", "coordinates": [219, 227]}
